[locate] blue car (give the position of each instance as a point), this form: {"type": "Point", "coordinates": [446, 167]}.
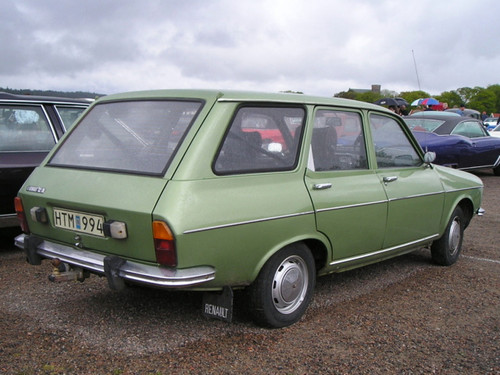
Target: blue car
{"type": "Point", "coordinates": [459, 142]}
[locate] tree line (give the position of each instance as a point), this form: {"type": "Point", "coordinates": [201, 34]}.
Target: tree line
{"type": "Point", "coordinates": [61, 94]}
{"type": "Point", "coordinates": [478, 98]}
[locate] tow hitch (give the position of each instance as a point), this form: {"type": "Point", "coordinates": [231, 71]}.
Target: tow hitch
{"type": "Point", "coordinates": [64, 272]}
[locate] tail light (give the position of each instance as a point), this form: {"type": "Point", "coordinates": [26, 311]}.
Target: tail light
{"type": "Point", "coordinates": [164, 244]}
{"type": "Point", "coordinates": [21, 215]}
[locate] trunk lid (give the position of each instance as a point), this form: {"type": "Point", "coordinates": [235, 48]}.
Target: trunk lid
{"type": "Point", "coordinates": [112, 196]}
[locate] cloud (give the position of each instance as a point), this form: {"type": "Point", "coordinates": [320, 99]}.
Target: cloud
{"type": "Point", "coordinates": [317, 46]}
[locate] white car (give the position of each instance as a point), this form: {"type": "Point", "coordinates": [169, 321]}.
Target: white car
{"type": "Point", "coordinates": [490, 123]}
{"type": "Point", "coordinates": [495, 132]}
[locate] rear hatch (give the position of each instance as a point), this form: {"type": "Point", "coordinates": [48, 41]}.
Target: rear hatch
{"type": "Point", "coordinates": [78, 202]}
{"type": "Point", "coordinates": [112, 166]}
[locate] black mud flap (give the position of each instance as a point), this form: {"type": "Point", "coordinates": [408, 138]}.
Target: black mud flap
{"type": "Point", "coordinates": [112, 266]}
{"type": "Point", "coordinates": [218, 305]}
{"type": "Point", "coordinates": [31, 244]}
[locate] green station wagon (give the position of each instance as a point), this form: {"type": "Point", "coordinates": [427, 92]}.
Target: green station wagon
{"type": "Point", "coordinates": [219, 191]}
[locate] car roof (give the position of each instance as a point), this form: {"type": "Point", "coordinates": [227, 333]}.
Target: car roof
{"type": "Point", "coordinates": [449, 122]}
{"type": "Point", "coordinates": [241, 96]}
{"type": "Point", "coordinates": [7, 97]}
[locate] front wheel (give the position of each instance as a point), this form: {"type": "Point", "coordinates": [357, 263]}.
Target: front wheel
{"type": "Point", "coordinates": [282, 291]}
{"type": "Point", "coordinates": [446, 250]}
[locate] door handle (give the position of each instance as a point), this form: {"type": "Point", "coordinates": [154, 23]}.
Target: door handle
{"type": "Point", "coordinates": [388, 179]}
{"type": "Point", "coordinates": [322, 186]}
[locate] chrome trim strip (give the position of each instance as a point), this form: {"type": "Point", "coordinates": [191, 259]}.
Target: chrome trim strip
{"type": "Point", "coordinates": [351, 206]}
{"type": "Point", "coordinates": [247, 222]}
{"type": "Point", "coordinates": [496, 164]}
{"type": "Point", "coordinates": [416, 196]}
{"type": "Point", "coordinates": [43, 102]}
{"type": "Point", "coordinates": [358, 257]}
{"type": "Point", "coordinates": [142, 273]}
{"type": "Point", "coordinates": [463, 189]}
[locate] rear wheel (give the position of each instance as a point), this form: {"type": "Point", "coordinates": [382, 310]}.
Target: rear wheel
{"type": "Point", "coordinates": [282, 291]}
{"type": "Point", "coordinates": [496, 171]}
{"type": "Point", "coordinates": [446, 250]}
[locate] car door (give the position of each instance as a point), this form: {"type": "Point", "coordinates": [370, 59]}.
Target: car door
{"type": "Point", "coordinates": [484, 150]}
{"type": "Point", "coordinates": [349, 201]}
{"type": "Point", "coordinates": [414, 190]}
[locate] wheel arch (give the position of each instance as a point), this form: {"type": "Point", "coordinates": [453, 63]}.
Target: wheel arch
{"type": "Point", "coordinates": [317, 245]}
{"type": "Point", "coordinates": [468, 209]}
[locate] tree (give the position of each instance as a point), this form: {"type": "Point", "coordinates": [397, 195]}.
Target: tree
{"type": "Point", "coordinates": [466, 93]}
{"type": "Point", "coordinates": [368, 97]}
{"type": "Point", "coordinates": [346, 94]}
{"type": "Point", "coordinates": [451, 98]}
{"type": "Point", "coordinates": [496, 90]}
{"type": "Point", "coordinates": [484, 100]}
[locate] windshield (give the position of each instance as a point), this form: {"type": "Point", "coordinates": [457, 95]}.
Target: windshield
{"type": "Point", "coordinates": [135, 136]}
{"type": "Point", "coordinates": [423, 124]}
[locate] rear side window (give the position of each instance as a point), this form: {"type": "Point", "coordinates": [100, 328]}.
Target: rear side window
{"type": "Point", "coordinates": [471, 129]}
{"type": "Point", "coordinates": [338, 141]}
{"type": "Point", "coordinates": [69, 115]}
{"type": "Point", "coordinates": [392, 146]}
{"type": "Point", "coordinates": [261, 139]}
{"type": "Point", "coordinates": [24, 128]}
{"type": "Point", "coordinates": [134, 136]}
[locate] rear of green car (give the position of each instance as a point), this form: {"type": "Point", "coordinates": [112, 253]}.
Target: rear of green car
{"type": "Point", "coordinates": [95, 196]}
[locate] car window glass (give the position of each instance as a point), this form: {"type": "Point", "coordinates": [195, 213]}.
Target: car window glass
{"type": "Point", "coordinates": [469, 129]}
{"type": "Point", "coordinates": [337, 141]}
{"type": "Point", "coordinates": [24, 128]}
{"type": "Point", "coordinates": [261, 139]}
{"type": "Point", "coordinates": [423, 123]}
{"type": "Point", "coordinates": [392, 146]}
{"type": "Point", "coordinates": [133, 136]}
{"type": "Point", "coordinates": [69, 115]}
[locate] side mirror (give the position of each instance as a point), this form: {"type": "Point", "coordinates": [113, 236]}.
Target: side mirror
{"type": "Point", "coordinates": [429, 157]}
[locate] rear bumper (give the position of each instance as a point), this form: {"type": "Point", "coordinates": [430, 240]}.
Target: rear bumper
{"type": "Point", "coordinates": [130, 271]}
{"type": "Point", "coordinates": [9, 220]}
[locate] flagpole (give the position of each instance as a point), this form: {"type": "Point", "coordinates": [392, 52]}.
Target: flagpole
{"type": "Point", "coordinates": [416, 71]}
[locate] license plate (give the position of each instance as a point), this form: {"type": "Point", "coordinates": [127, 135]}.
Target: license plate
{"type": "Point", "coordinates": [79, 221]}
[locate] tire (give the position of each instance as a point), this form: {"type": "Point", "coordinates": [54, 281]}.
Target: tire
{"type": "Point", "coordinates": [283, 290]}
{"type": "Point", "coordinates": [496, 171]}
{"type": "Point", "coordinates": [446, 250]}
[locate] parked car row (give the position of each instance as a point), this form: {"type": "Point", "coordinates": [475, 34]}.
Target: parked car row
{"type": "Point", "coordinates": [29, 127]}
{"type": "Point", "coordinates": [458, 141]}
{"type": "Point", "coordinates": [215, 191]}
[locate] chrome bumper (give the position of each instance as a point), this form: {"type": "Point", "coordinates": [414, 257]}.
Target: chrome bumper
{"type": "Point", "coordinates": [9, 220]}
{"type": "Point", "coordinates": [132, 271]}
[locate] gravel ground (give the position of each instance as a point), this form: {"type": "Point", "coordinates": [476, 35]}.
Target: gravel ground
{"type": "Point", "coordinates": [403, 316]}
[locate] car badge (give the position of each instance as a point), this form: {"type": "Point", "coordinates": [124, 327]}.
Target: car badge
{"type": "Point", "coordinates": [36, 189]}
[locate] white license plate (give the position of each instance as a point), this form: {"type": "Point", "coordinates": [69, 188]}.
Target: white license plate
{"type": "Point", "coordinates": [79, 221]}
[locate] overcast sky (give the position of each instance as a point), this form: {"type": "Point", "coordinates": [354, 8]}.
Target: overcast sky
{"type": "Point", "coordinates": [319, 47]}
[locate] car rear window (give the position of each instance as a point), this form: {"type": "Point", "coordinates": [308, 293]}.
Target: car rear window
{"type": "Point", "coordinates": [423, 123]}
{"type": "Point", "coordinates": [132, 136]}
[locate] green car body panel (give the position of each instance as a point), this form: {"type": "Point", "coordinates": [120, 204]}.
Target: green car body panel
{"type": "Point", "coordinates": [234, 223]}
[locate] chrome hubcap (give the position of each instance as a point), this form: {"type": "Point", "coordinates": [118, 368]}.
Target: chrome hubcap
{"type": "Point", "coordinates": [455, 236]}
{"type": "Point", "coordinates": [290, 284]}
